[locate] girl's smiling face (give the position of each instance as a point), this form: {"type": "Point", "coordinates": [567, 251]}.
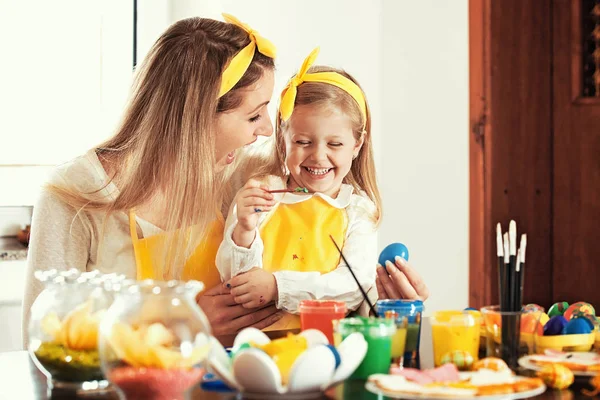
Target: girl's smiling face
{"type": "Point", "coordinates": [320, 146]}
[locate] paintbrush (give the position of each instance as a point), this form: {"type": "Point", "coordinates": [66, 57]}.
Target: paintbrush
{"type": "Point", "coordinates": [500, 254]}
{"type": "Point", "coordinates": [514, 285]}
{"type": "Point", "coordinates": [300, 190]}
{"type": "Point", "coordinates": [355, 279]}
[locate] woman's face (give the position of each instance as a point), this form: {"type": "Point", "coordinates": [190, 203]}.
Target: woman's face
{"type": "Point", "coordinates": [241, 126]}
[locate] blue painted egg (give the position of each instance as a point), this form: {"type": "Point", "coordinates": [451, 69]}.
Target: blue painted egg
{"type": "Point", "coordinates": [578, 326]}
{"type": "Point", "coordinates": [470, 309]}
{"type": "Point", "coordinates": [391, 251]}
{"type": "Point", "coordinates": [555, 325]}
{"type": "Point", "coordinates": [336, 354]}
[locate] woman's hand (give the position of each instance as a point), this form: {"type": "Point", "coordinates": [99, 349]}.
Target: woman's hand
{"type": "Point", "coordinates": [226, 317]}
{"type": "Point", "coordinates": [400, 281]}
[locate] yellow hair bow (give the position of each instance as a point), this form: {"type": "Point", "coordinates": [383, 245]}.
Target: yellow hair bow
{"type": "Point", "coordinates": [288, 97]}
{"type": "Point", "coordinates": [241, 61]}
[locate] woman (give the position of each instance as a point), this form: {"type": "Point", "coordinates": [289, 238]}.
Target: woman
{"type": "Point", "coordinates": [201, 94]}
{"type": "Point", "coordinates": [161, 183]}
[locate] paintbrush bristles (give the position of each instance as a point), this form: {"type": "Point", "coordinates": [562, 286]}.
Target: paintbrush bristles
{"type": "Point", "coordinates": [512, 235]}
{"type": "Point", "coordinates": [523, 247]}
{"type": "Point", "coordinates": [499, 245]}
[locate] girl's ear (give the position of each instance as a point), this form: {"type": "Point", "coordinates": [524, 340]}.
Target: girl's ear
{"type": "Point", "coordinates": [358, 146]}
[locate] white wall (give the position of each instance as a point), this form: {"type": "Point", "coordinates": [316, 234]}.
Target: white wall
{"type": "Point", "coordinates": [64, 78]}
{"type": "Point", "coordinates": [425, 142]}
{"type": "Point", "coordinates": [410, 56]}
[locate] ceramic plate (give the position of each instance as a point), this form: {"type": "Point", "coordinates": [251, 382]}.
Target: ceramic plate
{"type": "Point", "coordinates": [526, 363]}
{"type": "Point", "coordinates": [284, 396]}
{"type": "Point", "coordinates": [372, 387]}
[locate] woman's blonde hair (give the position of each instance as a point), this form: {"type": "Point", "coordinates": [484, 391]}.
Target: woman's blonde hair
{"type": "Point", "coordinates": [362, 174]}
{"type": "Point", "coordinates": [165, 144]}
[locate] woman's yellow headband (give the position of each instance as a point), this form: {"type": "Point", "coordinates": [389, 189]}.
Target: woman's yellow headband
{"type": "Point", "coordinates": [241, 61]}
{"type": "Point", "coordinates": [288, 97]}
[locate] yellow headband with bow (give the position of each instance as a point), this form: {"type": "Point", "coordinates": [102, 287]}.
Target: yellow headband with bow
{"type": "Point", "coordinates": [241, 61]}
{"type": "Point", "coordinates": [288, 97]}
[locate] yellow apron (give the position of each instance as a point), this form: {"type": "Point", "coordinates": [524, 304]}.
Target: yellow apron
{"type": "Point", "coordinates": [296, 238]}
{"type": "Point", "coordinates": [199, 266]}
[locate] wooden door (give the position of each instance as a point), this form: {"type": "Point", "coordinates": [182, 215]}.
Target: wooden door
{"type": "Point", "coordinates": [535, 145]}
{"type": "Point", "coordinates": [576, 144]}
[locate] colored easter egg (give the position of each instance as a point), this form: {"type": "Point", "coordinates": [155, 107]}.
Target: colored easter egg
{"type": "Point", "coordinates": [578, 326]}
{"type": "Point", "coordinates": [281, 345]}
{"type": "Point", "coordinates": [470, 309]}
{"type": "Point", "coordinates": [544, 319]}
{"type": "Point", "coordinates": [532, 308]}
{"type": "Point", "coordinates": [284, 361]}
{"type": "Point", "coordinates": [336, 354]}
{"type": "Point", "coordinates": [391, 251]}
{"type": "Point", "coordinates": [462, 359]}
{"type": "Point", "coordinates": [493, 363]}
{"type": "Point", "coordinates": [589, 317]}
{"type": "Point", "coordinates": [237, 349]}
{"type": "Point", "coordinates": [555, 326]}
{"type": "Point", "coordinates": [556, 376]}
{"type": "Point", "coordinates": [580, 307]}
{"type": "Point", "coordinates": [530, 323]}
{"type": "Point", "coordinates": [558, 308]}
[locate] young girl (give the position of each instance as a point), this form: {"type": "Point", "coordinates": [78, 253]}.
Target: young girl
{"type": "Point", "coordinates": [323, 146]}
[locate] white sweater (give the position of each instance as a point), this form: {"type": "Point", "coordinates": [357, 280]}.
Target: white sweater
{"type": "Point", "coordinates": [62, 238]}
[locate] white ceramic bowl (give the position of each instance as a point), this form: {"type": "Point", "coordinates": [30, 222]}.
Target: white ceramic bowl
{"type": "Point", "coordinates": [254, 373]}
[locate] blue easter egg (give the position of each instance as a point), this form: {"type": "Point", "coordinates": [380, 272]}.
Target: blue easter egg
{"type": "Point", "coordinates": [470, 309]}
{"type": "Point", "coordinates": [391, 251]}
{"type": "Point", "coordinates": [578, 326]}
{"type": "Point", "coordinates": [555, 325]}
{"type": "Point", "coordinates": [336, 354]}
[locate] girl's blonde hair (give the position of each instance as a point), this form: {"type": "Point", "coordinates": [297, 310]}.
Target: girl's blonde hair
{"type": "Point", "coordinates": [165, 144]}
{"type": "Point", "coordinates": [362, 174]}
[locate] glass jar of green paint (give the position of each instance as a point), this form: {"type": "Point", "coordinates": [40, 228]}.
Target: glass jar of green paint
{"type": "Point", "coordinates": [378, 333]}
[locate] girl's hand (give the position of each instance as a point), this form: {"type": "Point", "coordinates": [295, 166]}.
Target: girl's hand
{"type": "Point", "coordinates": [251, 201]}
{"type": "Point", "coordinates": [254, 288]}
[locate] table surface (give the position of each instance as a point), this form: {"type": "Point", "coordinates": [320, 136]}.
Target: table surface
{"type": "Point", "coordinates": [20, 379]}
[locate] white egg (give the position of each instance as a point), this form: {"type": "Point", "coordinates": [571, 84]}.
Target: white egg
{"type": "Point", "coordinates": [251, 335]}
{"type": "Point", "coordinates": [312, 369]}
{"type": "Point", "coordinates": [256, 372]}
